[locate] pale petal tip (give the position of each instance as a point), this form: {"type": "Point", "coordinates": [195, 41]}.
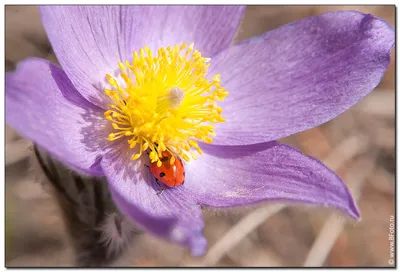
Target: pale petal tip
{"type": "Point", "coordinates": [199, 246]}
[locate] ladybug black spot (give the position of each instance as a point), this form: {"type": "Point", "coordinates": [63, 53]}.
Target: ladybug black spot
{"type": "Point", "coordinates": [164, 159]}
{"type": "Point", "coordinates": [183, 173]}
{"type": "Point", "coordinates": [162, 174]}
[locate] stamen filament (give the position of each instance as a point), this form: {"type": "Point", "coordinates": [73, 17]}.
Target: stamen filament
{"type": "Point", "coordinates": [167, 102]}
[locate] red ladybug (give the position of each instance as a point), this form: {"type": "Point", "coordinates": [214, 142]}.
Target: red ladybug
{"type": "Point", "coordinates": [172, 175]}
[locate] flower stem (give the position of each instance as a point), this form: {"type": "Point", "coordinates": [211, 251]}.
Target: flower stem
{"type": "Point", "coordinates": [86, 204]}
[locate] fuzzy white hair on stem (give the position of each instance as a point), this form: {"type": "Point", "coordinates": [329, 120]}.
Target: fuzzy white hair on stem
{"type": "Point", "coordinates": [116, 232]}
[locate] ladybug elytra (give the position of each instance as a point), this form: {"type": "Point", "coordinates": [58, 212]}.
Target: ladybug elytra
{"type": "Point", "coordinates": [172, 175]}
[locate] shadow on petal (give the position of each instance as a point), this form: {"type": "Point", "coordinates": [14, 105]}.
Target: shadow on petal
{"type": "Point", "coordinates": [172, 215]}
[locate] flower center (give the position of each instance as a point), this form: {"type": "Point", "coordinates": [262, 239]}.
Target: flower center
{"type": "Point", "coordinates": [165, 102]}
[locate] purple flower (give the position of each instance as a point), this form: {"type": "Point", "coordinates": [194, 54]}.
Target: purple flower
{"type": "Point", "coordinates": [101, 115]}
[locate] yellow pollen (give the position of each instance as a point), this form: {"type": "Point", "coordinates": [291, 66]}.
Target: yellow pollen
{"type": "Point", "coordinates": [166, 102]}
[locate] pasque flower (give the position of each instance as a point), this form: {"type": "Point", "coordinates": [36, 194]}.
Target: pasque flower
{"type": "Point", "coordinates": [139, 80]}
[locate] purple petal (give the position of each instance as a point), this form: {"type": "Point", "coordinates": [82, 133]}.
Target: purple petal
{"type": "Point", "coordinates": [227, 176]}
{"type": "Point", "coordinates": [90, 40]}
{"type": "Point", "coordinates": [43, 105]}
{"type": "Point", "coordinates": [300, 75]}
{"type": "Point", "coordinates": [173, 215]}
{"type": "Point", "coordinates": [211, 28]}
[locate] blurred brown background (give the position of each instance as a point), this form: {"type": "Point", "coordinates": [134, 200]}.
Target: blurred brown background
{"type": "Point", "coordinates": [358, 145]}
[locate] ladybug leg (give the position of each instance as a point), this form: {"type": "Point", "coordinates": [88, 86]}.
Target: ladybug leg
{"type": "Point", "coordinates": [161, 188]}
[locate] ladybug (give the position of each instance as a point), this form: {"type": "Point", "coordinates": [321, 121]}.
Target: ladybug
{"type": "Point", "coordinates": [172, 175]}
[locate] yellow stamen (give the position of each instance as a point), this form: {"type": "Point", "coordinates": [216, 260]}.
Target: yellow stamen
{"type": "Point", "coordinates": [166, 102]}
